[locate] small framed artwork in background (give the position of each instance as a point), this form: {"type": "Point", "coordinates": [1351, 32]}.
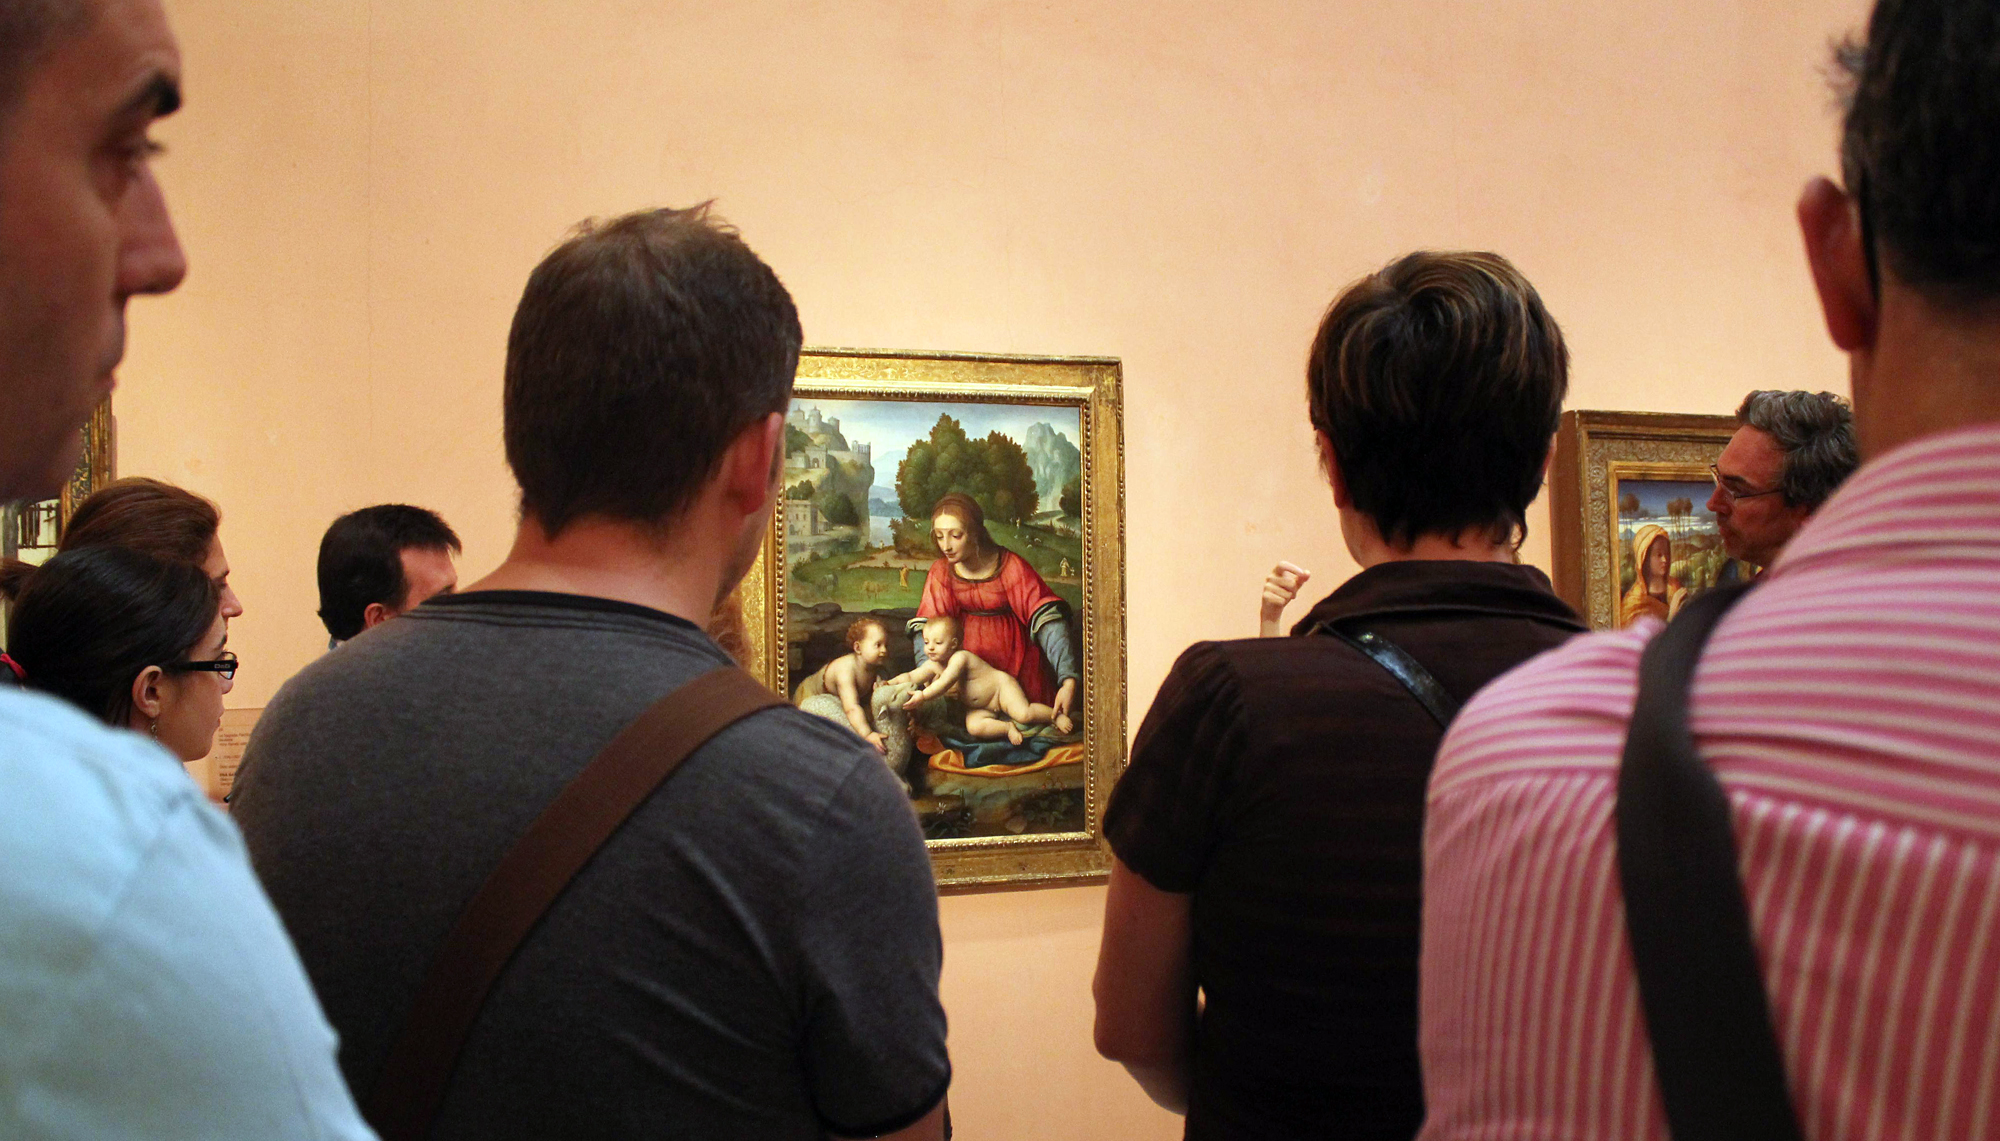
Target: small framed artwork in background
{"type": "Point", "coordinates": [1628, 494]}
{"type": "Point", "coordinates": [29, 531]}
{"type": "Point", "coordinates": [944, 577]}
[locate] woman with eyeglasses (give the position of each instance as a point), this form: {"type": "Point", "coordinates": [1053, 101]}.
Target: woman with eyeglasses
{"type": "Point", "coordinates": [128, 638]}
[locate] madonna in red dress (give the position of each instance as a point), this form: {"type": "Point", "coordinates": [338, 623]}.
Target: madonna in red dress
{"type": "Point", "coordinates": [1008, 614]}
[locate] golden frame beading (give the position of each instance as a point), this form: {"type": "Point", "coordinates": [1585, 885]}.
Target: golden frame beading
{"type": "Point", "coordinates": [1596, 453]}
{"type": "Point", "coordinates": [877, 388]}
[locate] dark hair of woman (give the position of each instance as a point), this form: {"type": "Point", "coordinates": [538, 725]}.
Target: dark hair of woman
{"type": "Point", "coordinates": [85, 624]}
{"type": "Point", "coordinates": [141, 514]}
{"type": "Point", "coordinates": [1439, 382]}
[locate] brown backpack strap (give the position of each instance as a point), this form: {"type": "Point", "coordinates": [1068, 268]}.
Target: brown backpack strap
{"type": "Point", "coordinates": [528, 879]}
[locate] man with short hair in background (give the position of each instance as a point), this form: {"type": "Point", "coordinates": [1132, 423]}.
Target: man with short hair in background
{"type": "Point", "coordinates": [1790, 452]}
{"type": "Point", "coordinates": [146, 988]}
{"type": "Point", "coordinates": [1849, 707]}
{"type": "Point", "coordinates": [381, 561]}
{"type": "Point", "coordinates": [754, 953]}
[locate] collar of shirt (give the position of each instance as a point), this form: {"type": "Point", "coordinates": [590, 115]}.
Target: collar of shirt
{"type": "Point", "coordinates": [1432, 586]}
{"type": "Point", "coordinates": [1933, 497]}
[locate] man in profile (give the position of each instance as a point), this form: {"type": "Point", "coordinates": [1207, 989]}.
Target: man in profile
{"type": "Point", "coordinates": [1849, 707]}
{"type": "Point", "coordinates": [382, 561]}
{"type": "Point", "coordinates": [754, 953]}
{"type": "Point", "coordinates": [146, 989]}
{"type": "Point", "coordinates": [1790, 452]}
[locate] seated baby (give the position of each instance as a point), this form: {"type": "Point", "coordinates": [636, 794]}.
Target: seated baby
{"type": "Point", "coordinates": [840, 691]}
{"type": "Point", "coordinates": [987, 691]}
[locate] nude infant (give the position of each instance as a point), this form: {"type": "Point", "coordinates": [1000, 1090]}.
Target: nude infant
{"type": "Point", "coordinates": [995, 704]}
{"type": "Point", "coordinates": [843, 692]}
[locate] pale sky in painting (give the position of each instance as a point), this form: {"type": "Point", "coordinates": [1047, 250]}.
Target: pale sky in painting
{"type": "Point", "coordinates": [890, 426]}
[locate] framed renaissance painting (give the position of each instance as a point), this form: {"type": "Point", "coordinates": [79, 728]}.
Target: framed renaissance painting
{"type": "Point", "coordinates": [28, 531]}
{"type": "Point", "coordinates": [944, 577]}
{"type": "Point", "coordinates": [1628, 495]}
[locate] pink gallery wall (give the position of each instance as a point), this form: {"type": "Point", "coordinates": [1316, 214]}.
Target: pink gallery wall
{"type": "Point", "coordinates": [363, 188]}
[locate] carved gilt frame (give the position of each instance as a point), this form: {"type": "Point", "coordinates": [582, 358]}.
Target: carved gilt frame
{"type": "Point", "coordinates": [93, 470]}
{"type": "Point", "coordinates": [1091, 386]}
{"type": "Point", "coordinates": [1594, 450]}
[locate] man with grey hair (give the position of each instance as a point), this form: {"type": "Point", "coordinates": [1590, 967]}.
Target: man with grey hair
{"type": "Point", "coordinates": [146, 987]}
{"type": "Point", "coordinates": [1793, 449]}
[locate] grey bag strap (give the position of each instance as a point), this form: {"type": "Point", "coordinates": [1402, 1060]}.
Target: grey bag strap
{"type": "Point", "coordinates": [1400, 665]}
{"type": "Point", "coordinates": [1722, 1076]}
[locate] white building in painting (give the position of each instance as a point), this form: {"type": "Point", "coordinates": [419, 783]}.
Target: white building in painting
{"type": "Point", "coordinates": [802, 518]}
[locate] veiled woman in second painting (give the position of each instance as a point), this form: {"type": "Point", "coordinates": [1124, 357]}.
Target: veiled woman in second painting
{"type": "Point", "coordinates": [1654, 593]}
{"type": "Point", "coordinates": [1008, 614]}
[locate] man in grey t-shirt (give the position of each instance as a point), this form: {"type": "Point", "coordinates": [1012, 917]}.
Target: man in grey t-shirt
{"type": "Point", "coordinates": [755, 952]}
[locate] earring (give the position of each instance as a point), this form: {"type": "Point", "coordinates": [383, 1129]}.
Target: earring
{"type": "Point", "coordinates": [154, 728]}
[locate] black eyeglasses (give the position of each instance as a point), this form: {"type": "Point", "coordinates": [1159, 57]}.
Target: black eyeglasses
{"type": "Point", "coordinates": [224, 665]}
{"type": "Point", "coordinates": [1731, 493]}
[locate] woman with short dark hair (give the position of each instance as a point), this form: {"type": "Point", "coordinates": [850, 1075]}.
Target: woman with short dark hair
{"type": "Point", "coordinates": [130, 639]}
{"type": "Point", "coordinates": [1268, 831]}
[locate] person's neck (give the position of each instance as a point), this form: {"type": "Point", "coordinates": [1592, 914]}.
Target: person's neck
{"type": "Point", "coordinates": [1370, 549]}
{"type": "Point", "coordinates": [1929, 371]}
{"type": "Point", "coordinates": [605, 558]}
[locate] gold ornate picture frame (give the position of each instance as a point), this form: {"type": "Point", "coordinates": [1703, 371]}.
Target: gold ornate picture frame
{"type": "Point", "coordinates": [1628, 487]}
{"type": "Point", "coordinates": [29, 531]}
{"type": "Point", "coordinates": [876, 441]}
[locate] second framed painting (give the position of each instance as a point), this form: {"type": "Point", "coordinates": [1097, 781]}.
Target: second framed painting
{"type": "Point", "coordinates": [945, 578]}
{"type": "Point", "coordinates": [1628, 496]}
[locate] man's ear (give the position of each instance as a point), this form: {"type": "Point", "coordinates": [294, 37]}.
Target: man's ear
{"type": "Point", "coordinates": [1330, 464]}
{"type": "Point", "coordinates": [147, 698]}
{"type": "Point", "coordinates": [374, 615]}
{"type": "Point", "coordinates": [1832, 231]}
{"type": "Point", "coordinates": [751, 468]}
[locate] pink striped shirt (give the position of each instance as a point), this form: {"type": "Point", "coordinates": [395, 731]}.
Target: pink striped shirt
{"type": "Point", "coordinates": [1851, 706]}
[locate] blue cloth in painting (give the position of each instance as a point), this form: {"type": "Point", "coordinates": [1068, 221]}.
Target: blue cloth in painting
{"type": "Point", "coordinates": [980, 753]}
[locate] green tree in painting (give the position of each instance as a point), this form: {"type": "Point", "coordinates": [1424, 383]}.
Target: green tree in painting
{"type": "Point", "coordinates": [837, 509]}
{"type": "Point", "coordinates": [933, 467]}
{"type": "Point", "coordinates": [1071, 500]}
{"type": "Point", "coordinates": [993, 471]}
{"type": "Point", "coordinates": [1012, 491]}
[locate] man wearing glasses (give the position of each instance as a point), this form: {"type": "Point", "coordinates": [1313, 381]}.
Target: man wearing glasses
{"type": "Point", "coordinates": [1791, 450]}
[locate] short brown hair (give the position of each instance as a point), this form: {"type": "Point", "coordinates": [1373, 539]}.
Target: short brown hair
{"type": "Point", "coordinates": [1439, 381]}
{"type": "Point", "coordinates": [146, 515]}
{"type": "Point", "coordinates": [858, 629]}
{"type": "Point", "coordinates": [642, 346]}
{"type": "Point", "coordinates": [947, 621]}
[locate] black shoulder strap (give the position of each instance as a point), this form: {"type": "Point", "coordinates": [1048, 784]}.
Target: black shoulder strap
{"type": "Point", "coordinates": [1720, 1070]}
{"type": "Point", "coordinates": [1404, 668]}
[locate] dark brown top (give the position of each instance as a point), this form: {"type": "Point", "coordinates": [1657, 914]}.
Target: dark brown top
{"type": "Point", "coordinates": [1281, 782]}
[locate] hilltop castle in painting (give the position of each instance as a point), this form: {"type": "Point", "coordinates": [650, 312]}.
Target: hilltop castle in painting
{"type": "Point", "coordinates": [816, 454]}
